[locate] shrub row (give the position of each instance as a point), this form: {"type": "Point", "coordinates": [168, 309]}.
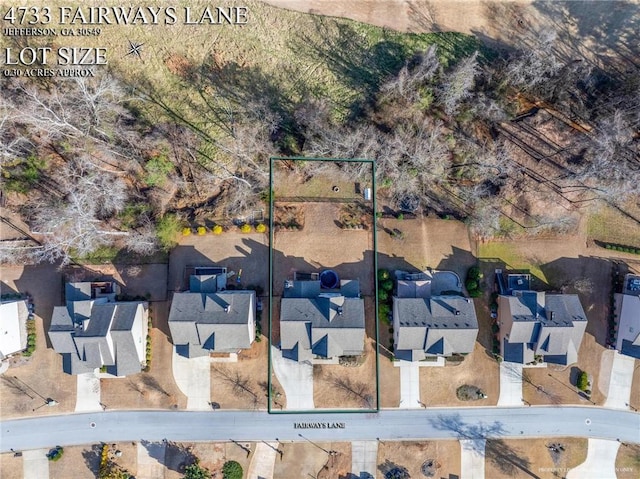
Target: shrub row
{"type": "Point", "coordinates": [31, 338]}
{"type": "Point", "coordinates": [622, 248]}
{"type": "Point", "coordinates": [472, 282]}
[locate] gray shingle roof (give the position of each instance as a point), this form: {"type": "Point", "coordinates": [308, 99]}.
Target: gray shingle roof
{"type": "Point", "coordinates": [553, 324]}
{"type": "Point", "coordinates": [441, 325]}
{"type": "Point", "coordinates": [213, 321]}
{"type": "Point", "coordinates": [324, 326]}
{"type": "Point", "coordinates": [95, 333]}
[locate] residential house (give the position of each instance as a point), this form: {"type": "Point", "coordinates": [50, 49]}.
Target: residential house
{"type": "Point", "coordinates": [13, 326]}
{"type": "Point", "coordinates": [210, 319]}
{"type": "Point", "coordinates": [431, 318]}
{"type": "Point", "coordinates": [94, 330]}
{"type": "Point", "coordinates": [535, 324]}
{"type": "Point", "coordinates": [318, 323]}
{"type": "Point", "coordinates": [627, 316]}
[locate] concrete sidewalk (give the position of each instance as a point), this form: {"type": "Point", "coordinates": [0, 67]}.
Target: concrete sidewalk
{"type": "Point", "coordinates": [364, 458]}
{"type": "Point", "coordinates": [88, 396]}
{"type": "Point", "coordinates": [296, 380]}
{"type": "Point", "coordinates": [263, 461]}
{"type": "Point", "coordinates": [510, 384]}
{"type": "Point", "coordinates": [472, 458]}
{"type": "Point", "coordinates": [35, 464]}
{"type": "Point", "coordinates": [600, 462]}
{"type": "Point", "coordinates": [193, 377]}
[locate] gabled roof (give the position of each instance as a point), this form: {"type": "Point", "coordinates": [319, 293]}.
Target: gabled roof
{"type": "Point", "coordinates": [550, 325]}
{"type": "Point", "coordinates": [212, 321]}
{"type": "Point", "coordinates": [326, 326]}
{"type": "Point", "coordinates": [91, 333]}
{"type": "Point", "coordinates": [441, 325]}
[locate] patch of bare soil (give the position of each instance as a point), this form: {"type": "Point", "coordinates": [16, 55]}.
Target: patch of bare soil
{"type": "Point", "coordinates": [83, 461]}
{"type": "Point", "coordinates": [344, 387]}
{"type": "Point", "coordinates": [628, 461]}
{"type": "Point", "coordinates": [542, 458]}
{"type": "Point", "coordinates": [438, 385]}
{"type": "Point", "coordinates": [425, 242]}
{"type": "Point", "coordinates": [243, 385]}
{"type": "Point", "coordinates": [557, 384]}
{"type": "Point", "coordinates": [304, 459]}
{"type": "Point", "coordinates": [212, 456]}
{"type": "Point", "coordinates": [155, 389]}
{"type": "Point", "coordinates": [443, 457]}
{"type": "Point", "coordinates": [10, 467]}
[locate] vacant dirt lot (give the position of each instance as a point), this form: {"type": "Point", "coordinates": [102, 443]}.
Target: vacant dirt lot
{"type": "Point", "coordinates": [235, 250]}
{"type": "Point", "coordinates": [321, 245]}
{"type": "Point", "coordinates": [303, 459]}
{"type": "Point", "coordinates": [556, 384]}
{"type": "Point", "coordinates": [520, 459]}
{"type": "Point", "coordinates": [427, 242]}
{"type": "Point", "coordinates": [411, 455]}
{"type": "Point", "coordinates": [438, 384]}
{"type": "Point", "coordinates": [155, 389]}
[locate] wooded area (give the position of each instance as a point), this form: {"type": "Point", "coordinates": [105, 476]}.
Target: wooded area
{"type": "Point", "coordinates": [522, 137]}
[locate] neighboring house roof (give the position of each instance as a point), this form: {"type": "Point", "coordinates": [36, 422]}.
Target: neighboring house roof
{"type": "Point", "coordinates": [91, 333]}
{"type": "Point", "coordinates": [322, 324]}
{"type": "Point", "coordinates": [13, 329]}
{"type": "Point", "coordinates": [205, 322]}
{"type": "Point", "coordinates": [207, 283]}
{"type": "Point", "coordinates": [628, 313]}
{"type": "Point", "coordinates": [441, 325]}
{"type": "Point", "coordinates": [550, 325]}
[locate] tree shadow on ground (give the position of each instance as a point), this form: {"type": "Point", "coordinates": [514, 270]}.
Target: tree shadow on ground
{"type": "Point", "coordinates": [507, 459]}
{"type": "Point", "coordinates": [92, 458]}
{"type": "Point", "coordinates": [173, 456]}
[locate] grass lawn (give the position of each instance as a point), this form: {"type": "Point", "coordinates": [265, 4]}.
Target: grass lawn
{"type": "Point", "coordinates": [611, 226]}
{"type": "Point", "coordinates": [508, 253]}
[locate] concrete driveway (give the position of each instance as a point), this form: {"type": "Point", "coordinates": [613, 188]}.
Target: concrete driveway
{"type": "Point", "coordinates": [409, 385]}
{"type": "Point", "coordinates": [510, 384]}
{"type": "Point", "coordinates": [88, 396]}
{"type": "Point", "coordinates": [620, 380]}
{"type": "Point", "coordinates": [35, 464]}
{"type": "Point", "coordinates": [150, 467]}
{"type": "Point", "coordinates": [263, 461]}
{"type": "Point", "coordinates": [600, 462]}
{"type": "Point", "coordinates": [364, 458]}
{"type": "Point", "coordinates": [296, 380]}
{"type": "Point", "coordinates": [472, 458]}
{"type": "Point", "coordinates": [193, 378]}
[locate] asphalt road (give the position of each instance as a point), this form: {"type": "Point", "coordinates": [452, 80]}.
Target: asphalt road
{"type": "Point", "coordinates": [432, 423]}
